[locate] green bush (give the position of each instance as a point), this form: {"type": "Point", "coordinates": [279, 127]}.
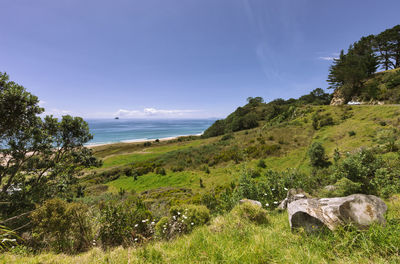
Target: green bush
{"type": "Point", "coordinates": [317, 156]}
{"type": "Point", "coordinates": [8, 238]}
{"type": "Point", "coordinates": [160, 171]}
{"type": "Point", "coordinates": [352, 133]}
{"type": "Point", "coordinates": [343, 187]}
{"type": "Point", "coordinates": [250, 212]}
{"type": "Point", "coordinates": [227, 137]}
{"type": "Point", "coordinates": [124, 223]}
{"type": "Point", "coordinates": [183, 219]}
{"type": "Point", "coordinates": [386, 182]}
{"type": "Point", "coordinates": [161, 229]}
{"type": "Point", "coordinates": [62, 226]}
{"type": "Point", "coordinates": [360, 168]}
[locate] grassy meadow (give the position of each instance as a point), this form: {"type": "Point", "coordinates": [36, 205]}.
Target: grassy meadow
{"type": "Point", "coordinates": [195, 167]}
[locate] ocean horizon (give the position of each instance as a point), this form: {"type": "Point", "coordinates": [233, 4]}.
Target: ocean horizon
{"type": "Point", "coordinates": [107, 131]}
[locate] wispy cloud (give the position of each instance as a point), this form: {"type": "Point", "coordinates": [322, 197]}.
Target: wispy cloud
{"type": "Point", "coordinates": [57, 112]}
{"type": "Point", "coordinates": [153, 112]}
{"type": "Point", "coordinates": [327, 58]}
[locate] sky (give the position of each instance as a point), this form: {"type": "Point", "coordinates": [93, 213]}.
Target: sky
{"type": "Point", "coordinates": [177, 58]}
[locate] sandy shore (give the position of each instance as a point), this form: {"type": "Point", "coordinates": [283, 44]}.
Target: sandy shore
{"type": "Point", "coordinates": [138, 141]}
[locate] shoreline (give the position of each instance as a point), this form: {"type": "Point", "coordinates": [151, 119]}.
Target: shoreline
{"type": "Point", "coordinates": [138, 141]}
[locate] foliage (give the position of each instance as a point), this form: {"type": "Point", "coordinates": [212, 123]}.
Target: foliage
{"type": "Point", "coordinates": [39, 158]}
{"type": "Point", "coordinates": [388, 138]}
{"type": "Point", "coordinates": [183, 219]}
{"type": "Point", "coordinates": [317, 155]}
{"type": "Point", "coordinates": [349, 72]}
{"type": "Point", "coordinates": [8, 238]}
{"type": "Point", "coordinates": [124, 223]}
{"type": "Point", "coordinates": [250, 212]}
{"type": "Point", "coordinates": [320, 121]}
{"type": "Point", "coordinates": [62, 226]}
{"type": "Point", "coordinates": [342, 187]}
{"type": "Point", "coordinates": [261, 164]}
{"type": "Point", "coordinates": [360, 167]}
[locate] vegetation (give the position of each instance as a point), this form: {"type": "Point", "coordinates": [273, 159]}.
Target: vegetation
{"type": "Point", "coordinates": [276, 111]}
{"type": "Point", "coordinates": [350, 73]}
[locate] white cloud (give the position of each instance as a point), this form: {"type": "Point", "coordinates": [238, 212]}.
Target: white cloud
{"type": "Point", "coordinates": [57, 112]}
{"type": "Point", "coordinates": [153, 112]}
{"type": "Point", "coordinates": [327, 58]}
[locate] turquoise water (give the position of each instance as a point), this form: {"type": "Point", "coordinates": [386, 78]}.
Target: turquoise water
{"type": "Point", "coordinates": [128, 130]}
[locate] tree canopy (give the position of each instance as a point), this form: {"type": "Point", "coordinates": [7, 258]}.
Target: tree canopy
{"type": "Point", "coordinates": [39, 157]}
{"type": "Point", "coordinates": [349, 72]}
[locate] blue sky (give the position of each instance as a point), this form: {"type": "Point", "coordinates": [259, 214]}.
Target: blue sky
{"type": "Point", "coordinates": [177, 58]}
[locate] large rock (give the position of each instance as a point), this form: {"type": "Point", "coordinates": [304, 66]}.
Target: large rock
{"type": "Point", "coordinates": [338, 98]}
{"type": "Point", "coordinates": [314, 214]}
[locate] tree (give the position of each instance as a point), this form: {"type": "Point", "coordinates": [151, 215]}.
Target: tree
{"type": "Point", "coordinates": [317, 155]}
{"type": "Point", "coordinates": [39, 157]}
{"type": "Point", "coordinates": [387, 47]}
{"type": "Point", "coordinates": [350, 70]}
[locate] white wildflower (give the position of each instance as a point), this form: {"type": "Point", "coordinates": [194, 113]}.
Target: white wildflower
{"type": "Point", "coordinates": [267, 204]}
{"type": "Point", "coordinates": [192, 223]}
{"type": "Point", "coordinates": [276, 202]}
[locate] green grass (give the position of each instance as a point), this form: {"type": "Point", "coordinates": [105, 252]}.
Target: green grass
{"type": "Point", "coordinates": [153, 181]}
{"type": "Point", "coordinates": [229, 239]}
{"type": "Point", "coordinates": [144, 153]}
{"type": "Point", "coordinates": [296, 136]}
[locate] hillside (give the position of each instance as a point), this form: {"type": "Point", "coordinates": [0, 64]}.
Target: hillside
{"type": "Point", "coordinates": [381, 88]}
{"type": "Point", "coordinates": [167, 174]}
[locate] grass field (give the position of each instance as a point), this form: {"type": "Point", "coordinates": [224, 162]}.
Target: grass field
{"type": "Point", "coordinates": [294, 138]}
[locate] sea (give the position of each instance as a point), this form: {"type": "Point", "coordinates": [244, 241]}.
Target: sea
{"type": "Point", "coordinates": [107, 131]}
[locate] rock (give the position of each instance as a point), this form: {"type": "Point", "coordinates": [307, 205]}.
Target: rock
{"type": "Point", "coordinates": [338, 98]}
{"type": "Point", "coordinates": [315, 214]}
{"type": "Point", "coordinates": [330, 188]}
{"type": "Point", "coordinates": [293, 195]}
{"type": "Point", "coordinates": [283, 205]}
{"type": "Point", "coordinates": [250, 201]}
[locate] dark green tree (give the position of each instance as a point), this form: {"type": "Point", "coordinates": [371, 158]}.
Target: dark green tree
{"type": "Point", "coordinates": [350, 70]}
{"type": "Point", "coordinates": [39, 157]}
{"type": "Point", "coordinates": [317, 155]}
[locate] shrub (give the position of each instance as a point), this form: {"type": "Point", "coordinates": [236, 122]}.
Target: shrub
{"type": "Point", "coordinates": [147, 144]}
{"type": "Point", "coordinates": [227, 137]}
{"type": "Point", "coordinates": [386, 182]}
{"type": "Point", "coordinates": [320, 121]}
{"type": "Point", "coordinates": [8, 238]}
{"type": "Point", "coordinates": [261, 164]}
{"type": "Point", "coordinates": [160, 171]}
{"type": "Point", "coordinates": [352, 133]}
{"type": "Point", "coordinates": [343, 187]}
{"type": "Point", "coordinates": [251, 212]}
{"type": "Point", "coordinates": [183, 219]}
{"type": "Point", "coordinates": [124, 223]}
{"type": "Point", "coordinates": [388, 138]}
{"type": "Point", "coordinates": [61, 226]}
{"type": "Point", "coordinates": [161, 229]}
{"type": "Point", "coordinates": [317, 156]}
{"type": "Point", "coordinates": [360, 167]}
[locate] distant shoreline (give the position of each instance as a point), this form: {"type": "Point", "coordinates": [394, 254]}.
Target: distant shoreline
{"type": "Point", "coordinates": [138, 141]}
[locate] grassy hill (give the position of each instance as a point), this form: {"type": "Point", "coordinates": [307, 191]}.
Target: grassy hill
{"type": "Point", "coordinates": [205, 171]}
{"type": "Point", "coordinates": [383, 87]}
{"type": "Point", "coordinates": [282, 146]}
